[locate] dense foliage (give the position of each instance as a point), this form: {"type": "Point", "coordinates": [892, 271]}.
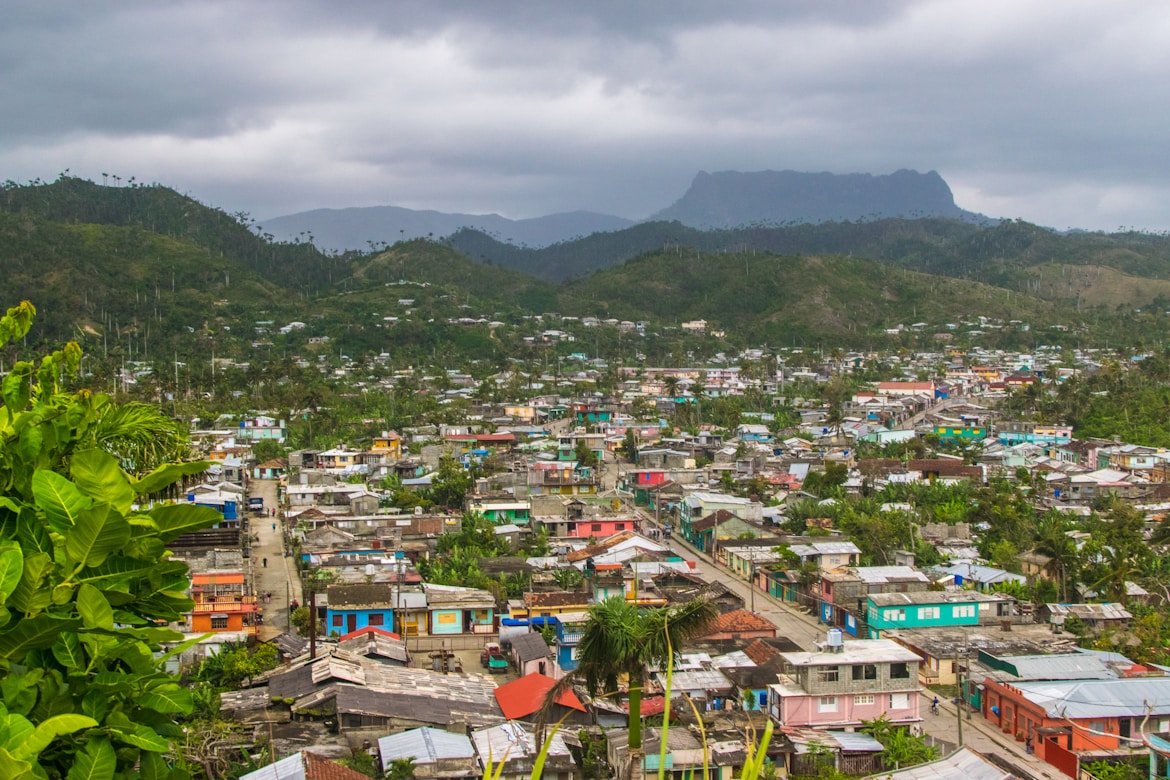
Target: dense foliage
{"type": "Point", "coordinates": [85, 585]}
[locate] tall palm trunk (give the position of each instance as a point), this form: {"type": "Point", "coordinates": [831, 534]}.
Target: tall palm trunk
{"type": "Point", "coordinates": [635, 700]}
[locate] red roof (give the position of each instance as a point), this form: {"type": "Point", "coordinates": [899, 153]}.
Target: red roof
{"type": "Point", "coordinates": [740, 621]}
{"type": "Point", "coordinates": [369, 630]}
{"type": "Point", "coordinates": [652, 705]}
{"type": "Point", "coordinates": [521, 698]}
{"type": "Point", "coordinates": [317, 768]}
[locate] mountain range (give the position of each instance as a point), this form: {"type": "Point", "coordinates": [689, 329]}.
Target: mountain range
{"type": "Point", "coordinates": [728, 199]}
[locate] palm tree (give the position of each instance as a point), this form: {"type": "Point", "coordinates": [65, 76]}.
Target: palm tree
{"type": "Point", "coordinates": [401, 769]}
{"type": "Point", "coordinates": [1053, 542]}
{"type": "Point", "coordinates": [619, 638]}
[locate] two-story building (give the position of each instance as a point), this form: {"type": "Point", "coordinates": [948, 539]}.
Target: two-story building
{"type": "Point", "coordinates": [843, 683]}
{"type": "Point", "coordinates": [222, 603]}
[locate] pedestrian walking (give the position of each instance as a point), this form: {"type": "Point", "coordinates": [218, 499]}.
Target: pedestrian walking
{"type": "Point", "coordinates": [274, 528]}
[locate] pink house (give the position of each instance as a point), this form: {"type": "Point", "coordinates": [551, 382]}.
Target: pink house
{"type": "Point", "coordinates": [843, 683]}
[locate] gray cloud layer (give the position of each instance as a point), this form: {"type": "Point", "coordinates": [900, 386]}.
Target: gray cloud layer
{"type": "Point", "coordinates": [1049, 111]}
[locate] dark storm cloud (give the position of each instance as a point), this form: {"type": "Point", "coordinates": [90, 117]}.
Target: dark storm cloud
{"type": "Point", "coordinates": [1050, 111]}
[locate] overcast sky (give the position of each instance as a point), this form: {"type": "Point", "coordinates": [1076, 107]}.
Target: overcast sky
{"type": "Point", "coordinates": [1054, 112]}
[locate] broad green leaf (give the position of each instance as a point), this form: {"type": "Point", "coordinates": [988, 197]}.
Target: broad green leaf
{"type": "Point", "coordinates": [152, 766]}
{"type": "Point", "coordinates": [49, 730]}
{"type": "Point", "coordinates": [19, 729]}
{"type": "Point", "coordinates": [174, 520]}
{"type": "Point", "coordinates": [32, 534]}
{"type": "Point", "coordinates": [29, 596]}
{"type": "Point", "coordinates": [31, 444]}
{"type": "Point", "coordinates": [67, 650]}
{"type": "Point", "coordinates": [143, 737]}
{"type": "Point", "coordinates": [96, 704]}
{"type": "Point", "coordinates": [32, 633]}
{"type": "Point", "coordinates": [168, 699]}
{"type": "Point", "coordinates": [99, 532]}
{"type": "Point", "coordinates": [97, 762]}
{"type": "Point", "coordinates": [13, 768]}
{"type": "Point", "coordinates": [61, 500]}
{"type": "Point", "coordinates": [17, 386]}
{"type": "Point", "coordinates": [98, 475]}
{"type": "Point", "coordinates": [119, 568]}
{"type": "Point", "coordinates": [94, 609]}
{"type": "Point", "coordinates": [165, 476]}
{"type": "Point", "coordinates": [11, 569]}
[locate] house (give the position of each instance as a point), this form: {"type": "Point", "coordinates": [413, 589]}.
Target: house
{"type": "Point", "coordinates": [522, 699]}
{"type": "Point", "coordinates": [720, 524]}
{"type": "Point", "coordinates": [844, 592]}
{"type": "Point", "coordinates": [553, 603]}
{"type": "Point", "coordinates": [270, 469]}
{"type": "Point", "coordinates": [516, 747]}
{"type": "Point", "coordinates": [982, 577]}
{"type": "Point", "coordinates": [436, 753]}
{"type": "Point", "coordinates": [700, 504]}
{"type": "Point", "coordinates": [1059, 717]}
{"type": "Point", "coordinates": [388, 445]}
{"type": "Point", "coordinates": [827, 555]}
{"type": "Point", "coordinates": [353, 607]}
{"type": "Point", "coordinates": [531, 653]}
{"type": "Point", "coordinates": [261, 428]}
{"type": "Point", "coordinates": [931, 608]}
{"type": "Point", "coordinates": [377, 645]}
{"type": "Point", "coordinates": [222, 603]}
{"type": "Point", "coordinates": [456, 610]}
{"type": "Point", "coordinates": [562, 479]}
{"type": "Point", "coordinates": [845, 682]}
{"type": "Point", "coordinates": [304, 765]}
{"type": "Point", "coordinates": [739, 624]}
{"type": "Point", "coordinates": [1095, 617]}
{"type": "Point", "coordinates": [501, 509]}
{"type": "Point", "coordinates": [963, 764]}
{"type": "Point", "coordinates": [570, 626]}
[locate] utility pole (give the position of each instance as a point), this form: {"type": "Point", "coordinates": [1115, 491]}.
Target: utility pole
{"type": "Point", "coordinates": [959, 695]}
{"type": "Point", "coordinates": [752, 581]}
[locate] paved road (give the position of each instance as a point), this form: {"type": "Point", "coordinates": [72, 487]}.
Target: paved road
{"type": "Point", "coordinates": [279, 577]}
{"type": "Point", "coordinates": [805, 630]}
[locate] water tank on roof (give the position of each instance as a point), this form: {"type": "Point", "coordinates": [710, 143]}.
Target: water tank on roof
{"type": "Point", "coordinates": [836, 640]}
{"type": "Point", "coordinates": [418, 510]}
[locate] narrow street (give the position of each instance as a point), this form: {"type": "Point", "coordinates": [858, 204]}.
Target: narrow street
{"type": "Point", "coordinates": [272, 571]}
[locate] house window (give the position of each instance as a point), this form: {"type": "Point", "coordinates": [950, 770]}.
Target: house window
{"type": "Point", "coordinates": [928, 613]}
{"type": "Point", "coordinates": [219, 621]}
{"type": "Point", "coordinates": [619, 526]}
{"type": "Point", "coordinates": [865, 672]}
{"type": "Point", "coordinates": [827, 704]}
{"type": "Point", "coordinates": [899, 671]}
{"type": "Point", "coordinates": [338, 621]}
{"type": "Point", "coordinates": [964, 611]}
{"type": "Point", "coordinates": [895, 615]}
{"type": "Point", "coordinates": [829, 674]}
{"type": "Point", "coordinates": [377, 619]}
{"type": "Point", "coordinates": [596, 527]}
{"type": "Point", "coordinates": [899, 701]}
{"type": "Point", "coordinates": [863, 698]}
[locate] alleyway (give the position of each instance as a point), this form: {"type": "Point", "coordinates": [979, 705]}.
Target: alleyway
{"type": "Point", "coordinates": [279, 577]}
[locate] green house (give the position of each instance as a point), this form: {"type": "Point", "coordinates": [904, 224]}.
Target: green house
{"type": "Point", "coordinates": [933, 609]}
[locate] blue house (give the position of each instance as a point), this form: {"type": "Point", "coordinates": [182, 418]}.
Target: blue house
{"type": "Point", "coordinates": [227, 504]}
{"type": "Point", "coordinates": [352, 607]}
{"type": "Point", "coordinates": [570, 626]}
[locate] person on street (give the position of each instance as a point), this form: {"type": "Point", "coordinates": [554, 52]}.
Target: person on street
{"type": "Point", "coordinates": [934, 706]}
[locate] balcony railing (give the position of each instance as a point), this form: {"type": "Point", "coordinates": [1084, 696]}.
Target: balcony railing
{"type": "Point", "coordinates": [247, 604]}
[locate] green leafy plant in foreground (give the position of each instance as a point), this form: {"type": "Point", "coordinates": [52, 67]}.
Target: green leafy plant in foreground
{"type": "Point", "coordinates": [86, 589]}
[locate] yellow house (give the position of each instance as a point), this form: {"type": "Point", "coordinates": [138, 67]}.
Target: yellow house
{"type": "Point", "coordinates": [388, 444]}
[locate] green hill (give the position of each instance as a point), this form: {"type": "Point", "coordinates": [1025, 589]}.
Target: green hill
{"type": "Point", "coordinates": [1003, 255]}
{"type": "Point", "coordinates": [778, 299]}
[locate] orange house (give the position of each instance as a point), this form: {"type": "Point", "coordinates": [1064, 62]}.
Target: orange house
{"type": "Point", "coordinates": [1062, 717]}
{"type": "Point", "coordinates": [221, 604]}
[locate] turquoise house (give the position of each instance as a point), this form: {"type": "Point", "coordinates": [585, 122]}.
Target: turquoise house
{"type": "Point", "coordinates": [933, 609]}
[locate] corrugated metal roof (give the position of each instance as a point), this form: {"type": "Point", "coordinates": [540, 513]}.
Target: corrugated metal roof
{"type": "Point", "coordinates": [1133, 697]}
{"type": "Point", "coordinates": [856, 742]}
{"type": "Point", "coordinates": [425, 746]}
{"type": "Point", "coordinates": [963, 764]}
